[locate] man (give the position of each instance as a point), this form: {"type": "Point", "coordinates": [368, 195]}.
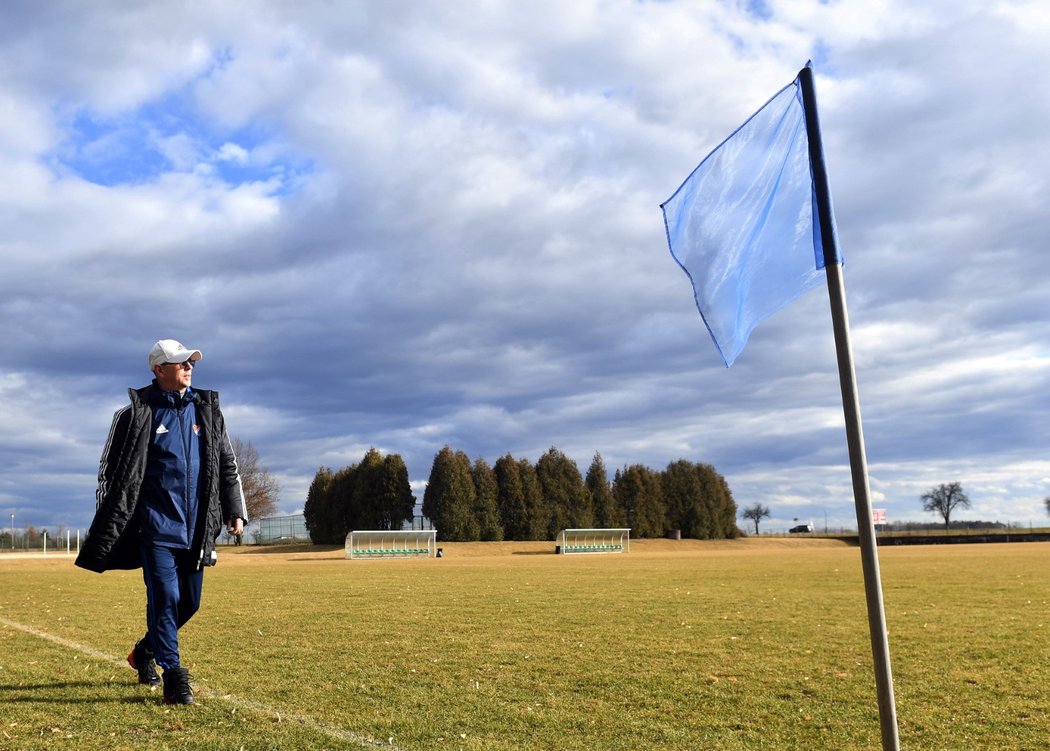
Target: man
{"type": "Point", "coordinates": [167, 480]}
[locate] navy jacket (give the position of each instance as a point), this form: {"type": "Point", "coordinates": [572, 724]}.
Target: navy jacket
{"type": "Point", "coordinates": [130, 506]}
{"type": "Point", "coordinates": [168, 501]}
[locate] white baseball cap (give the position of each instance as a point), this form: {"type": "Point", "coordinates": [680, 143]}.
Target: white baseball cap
{"type": "Point", "coordinates": [169, 350]}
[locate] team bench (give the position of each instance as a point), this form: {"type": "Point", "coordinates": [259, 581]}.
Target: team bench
{"type": "Point", "coordinates": [389, 543]}
{"type": "Point", "coordinates": [594, 541]}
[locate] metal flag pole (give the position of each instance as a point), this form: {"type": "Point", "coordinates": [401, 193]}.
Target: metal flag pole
{"type": "Point", "coordinates": [880, 647]}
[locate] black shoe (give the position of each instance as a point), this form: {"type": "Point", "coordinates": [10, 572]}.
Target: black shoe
{"type": "Point", "coordinates": [141, 658]}
{"type": "Point", "coordinates": [177, 686]}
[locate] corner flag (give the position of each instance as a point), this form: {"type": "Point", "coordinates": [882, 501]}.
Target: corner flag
{"type": "Point", "coordinates": [743, 226]}
{"type": "Point", "coordinates": [753, 228]}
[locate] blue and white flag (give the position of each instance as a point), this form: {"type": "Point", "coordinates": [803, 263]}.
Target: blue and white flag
{"type": "Point", "coordinates": [744, 224]}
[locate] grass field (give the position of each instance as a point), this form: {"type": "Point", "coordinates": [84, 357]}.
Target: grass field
{"type": "Point", "coordinates": [750, 644]}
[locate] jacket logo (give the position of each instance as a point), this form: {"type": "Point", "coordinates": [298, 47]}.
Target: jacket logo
{"type": "Point", "coordinates": [161, 430]}
{"type": "Point", "coordinates": [196, 429]}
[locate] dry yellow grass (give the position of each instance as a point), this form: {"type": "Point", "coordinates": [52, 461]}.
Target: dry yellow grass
{"type": "Point", "coordinates": [732, 645]}
{"type": "Point", "coordinates": [454, 550]}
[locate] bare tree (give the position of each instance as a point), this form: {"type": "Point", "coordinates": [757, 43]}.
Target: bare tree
{"type": "Point", "coordinates": [944, 499]}
{"type": "Point", "coordinates": [260, 487]}
{"type": "Point", "coordinates": [755, 513]}
{"type": "Point", "coordinates": [1047, 502]}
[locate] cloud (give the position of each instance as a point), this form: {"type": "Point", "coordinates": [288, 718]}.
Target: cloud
{"type": "Point", "coordinates": [406, 226]}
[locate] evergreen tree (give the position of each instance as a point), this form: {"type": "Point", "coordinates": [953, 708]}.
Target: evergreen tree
{"type": "Point", "coordinates": [374, 494]}
{"type": "Point", "coordinates": [343, 514]}
{"type": "Point", "coordinates": [684, 500]}
{"type": "Point", "coordinates": [449, 498]}
{"type": "Point", "coordinates": [564, 491]}
{"type": "Point", "coordinates": [718, 500]}
{"type": "Point", "coordinates": [637, 491]}
{"type": "Point", "coordinates": [653, 511]}
{"type": "Point", "coordinates": [485, 510]}
{"type": "Point", "coordinates": [398, 502]}
{"type": "Point", "coordinates": [317, 511]}
{"type": "Point", "coordinates": [606, 512]}
{"type": "Point", "coordinates": [381, 496]}
{"type": "Point", "coordinates": [366, 493]}
{"type": "Point", "coordinates": [697, 501]}
{"type": "Point", "coordinates": [510, 499]}
{"type": "Point", "coordinates": [722, 507]}
{"type": "Point", "coordinates": [436, 489]}
{"type": "Point", "coordinates": [516, 500]}
{"type": "Point", "coordinates": [537, 511]}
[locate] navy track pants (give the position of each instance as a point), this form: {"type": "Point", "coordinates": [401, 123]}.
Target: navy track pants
{"type": "Point", "coordinates": [173, 594]}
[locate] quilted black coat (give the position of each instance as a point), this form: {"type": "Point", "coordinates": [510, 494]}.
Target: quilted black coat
{"type": "Point", "coordinates": [112, 541]}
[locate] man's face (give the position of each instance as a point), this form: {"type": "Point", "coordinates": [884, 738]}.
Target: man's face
{"type": "Point", "coordinates": [174, 376]}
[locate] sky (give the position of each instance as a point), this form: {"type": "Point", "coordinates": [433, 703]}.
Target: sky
{"type": "Point", "coordinates": [412, 224]}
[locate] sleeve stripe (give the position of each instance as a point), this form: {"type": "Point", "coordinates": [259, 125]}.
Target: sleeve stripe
{"type": "Point", "coordinates": [237, 469]}
{"type": "Point", "coordinates": [103, 466]}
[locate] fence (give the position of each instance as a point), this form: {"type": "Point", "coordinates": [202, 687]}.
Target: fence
{"type": "Point", "coordinates": [33, 540]}
{"type": "Point", "coordinates": [281, 529]}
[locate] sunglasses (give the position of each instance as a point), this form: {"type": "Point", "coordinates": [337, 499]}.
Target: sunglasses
{"type": "Point", "coordinates": [186, 364]}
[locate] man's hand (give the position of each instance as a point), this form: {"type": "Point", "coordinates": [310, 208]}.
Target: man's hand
{"type": "Point", "coordinates": [235, 526]}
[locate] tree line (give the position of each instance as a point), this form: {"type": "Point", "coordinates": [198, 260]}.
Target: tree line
{"type": "Point", "coordinates": [374, 494]}
{"type": "Point", "coordinates": [515, 499]}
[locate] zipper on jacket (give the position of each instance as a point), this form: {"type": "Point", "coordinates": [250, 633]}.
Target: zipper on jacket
{"type": "Point", "coordinates": [186, 445]}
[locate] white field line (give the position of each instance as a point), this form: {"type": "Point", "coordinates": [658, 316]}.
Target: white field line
{"type": "Point", "coordinates": [347, 736]}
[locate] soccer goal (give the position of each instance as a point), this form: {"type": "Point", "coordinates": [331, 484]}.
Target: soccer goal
{"type": "Point", "coordinates": [594, 541]}
{"type": "Point", "coordinates": [391, 543]}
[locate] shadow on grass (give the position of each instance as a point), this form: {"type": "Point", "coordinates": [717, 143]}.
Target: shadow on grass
{"type": "Point", "coordinates": [301, 552]}
{"type": "Point", "coordinates": [285, 549]}
{"type": "Point", "coordinates": [53, 693]}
